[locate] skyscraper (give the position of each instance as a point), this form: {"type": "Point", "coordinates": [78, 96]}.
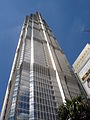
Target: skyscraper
{"type": "Point", "coordinates": [41, 77]}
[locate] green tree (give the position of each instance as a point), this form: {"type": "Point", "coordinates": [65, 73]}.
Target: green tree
{"type": "Point", "coordinates": [75, 109]}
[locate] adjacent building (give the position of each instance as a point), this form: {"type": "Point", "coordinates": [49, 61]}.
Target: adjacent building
{"type": "Point", "coordinates": [82, 68]}
{"type": "Point", "coordinates": [41, 77]}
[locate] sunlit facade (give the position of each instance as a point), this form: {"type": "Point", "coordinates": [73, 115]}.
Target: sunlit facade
{"type": "Point", "coordinates": [82, 68]}
{"type": "Point", "coordinates": [41, 77]}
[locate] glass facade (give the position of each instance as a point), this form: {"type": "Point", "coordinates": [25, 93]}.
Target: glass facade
{"type": "Point", "coordinates": [40, 78]}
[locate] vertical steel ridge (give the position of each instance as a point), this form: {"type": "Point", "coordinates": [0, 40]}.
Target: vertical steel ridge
{"type": "Point", "coordinates": [32, 45]}
{"type": "Point", "coordinates": [53, 63]}
{"type": "Point", "coordinates": [31, 68]}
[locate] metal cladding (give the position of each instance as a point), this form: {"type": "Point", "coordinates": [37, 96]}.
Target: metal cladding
{"type": "Point", "coordinates": [41, 77]}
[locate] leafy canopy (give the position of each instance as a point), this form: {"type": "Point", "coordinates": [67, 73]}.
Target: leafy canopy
{"type": "Point", "coordinates": [75, 109]}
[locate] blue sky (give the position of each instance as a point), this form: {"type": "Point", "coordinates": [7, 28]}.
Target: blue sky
{"type": "Point", "coordinates": [66, 18]}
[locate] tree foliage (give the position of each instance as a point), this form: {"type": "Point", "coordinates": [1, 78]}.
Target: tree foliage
{"type": "Point", "coordinates": [75, 109]}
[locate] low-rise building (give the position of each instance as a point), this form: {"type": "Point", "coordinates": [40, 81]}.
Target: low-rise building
{"type": "Point", "coordinates": [82, 68]}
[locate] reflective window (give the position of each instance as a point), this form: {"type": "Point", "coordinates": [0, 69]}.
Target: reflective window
{"type": "Point", "coordinates": [11, 118]}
